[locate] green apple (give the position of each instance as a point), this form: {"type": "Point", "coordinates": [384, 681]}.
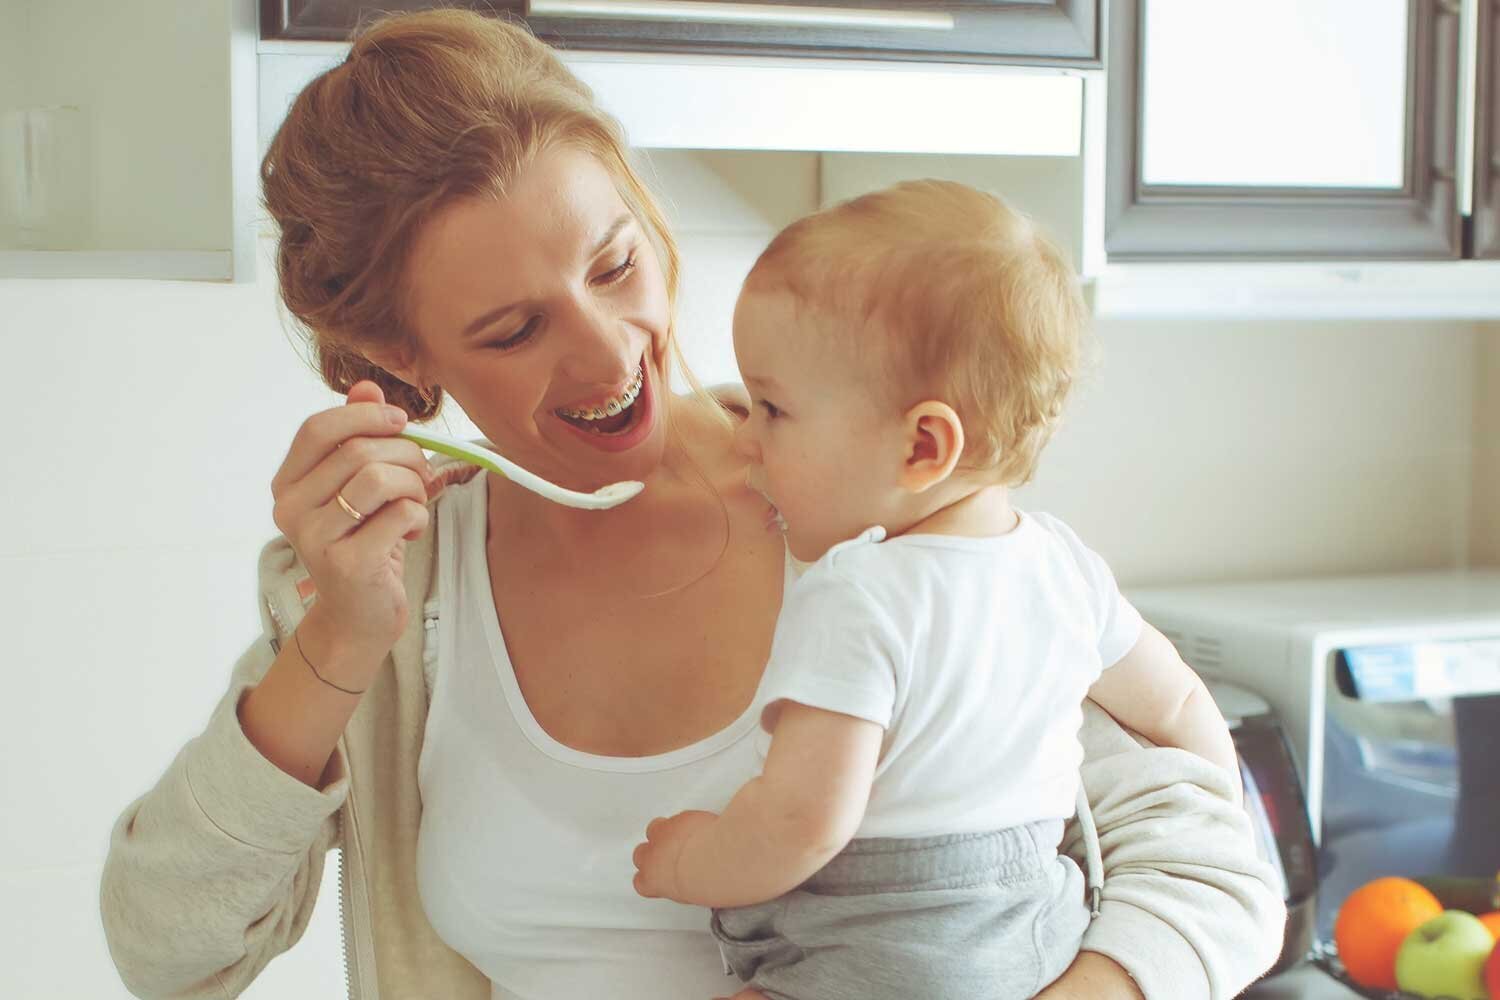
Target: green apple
{"type": "Point", "coordinates": [1445, 957]}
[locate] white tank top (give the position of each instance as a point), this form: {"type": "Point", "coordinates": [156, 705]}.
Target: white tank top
{"type": "Point", "coordinates": [523, 856]}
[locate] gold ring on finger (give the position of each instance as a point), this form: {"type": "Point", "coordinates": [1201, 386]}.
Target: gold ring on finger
{"type": "Point", "coordinates": [348, 509]}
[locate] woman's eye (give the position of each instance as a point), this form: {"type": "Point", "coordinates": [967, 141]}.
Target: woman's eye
{"type": "Point", "coordinates": [520, 336]}
{"type": "Point", "coordinates": [617, 274]}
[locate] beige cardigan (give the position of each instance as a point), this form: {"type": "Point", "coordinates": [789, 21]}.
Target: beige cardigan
{"type": "Point", "coordinates": [214, 871]}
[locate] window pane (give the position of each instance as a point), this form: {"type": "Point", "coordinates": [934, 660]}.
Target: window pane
{"type": "Point", "coordinates": [1275, 92]}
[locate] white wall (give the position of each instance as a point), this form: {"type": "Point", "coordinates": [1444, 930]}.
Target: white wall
{"type": "Point", "coordinates": [137, 497]}
{"type": "Point", "coordinates": [1240, 450]}
{"type": "Point", "coordinates": [155, 413]}
{"type": "Point", "coordinates": [1486, 510]}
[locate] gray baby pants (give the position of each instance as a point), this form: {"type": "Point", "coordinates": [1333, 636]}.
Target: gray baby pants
{"type": "Point", "coordinates": [980, 916]}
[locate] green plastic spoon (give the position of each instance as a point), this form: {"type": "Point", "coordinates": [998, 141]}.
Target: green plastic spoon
{"type": "Point", "coordinates": [603, 498]}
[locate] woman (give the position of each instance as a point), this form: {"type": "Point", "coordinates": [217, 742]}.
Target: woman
{"type": "Point", "coordinates": [457, 216]}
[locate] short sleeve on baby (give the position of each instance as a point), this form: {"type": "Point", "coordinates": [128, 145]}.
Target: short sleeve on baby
{"type": "Point", "coordinates": [835, 648]}
{"type": "Point", "coordinates": [1117, 621]}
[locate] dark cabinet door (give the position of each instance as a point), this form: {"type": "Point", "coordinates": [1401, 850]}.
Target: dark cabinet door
{"type": "Point", "coordinates": [1487, 135]}
{"type": "Point", "coordinates": [1051, 32]}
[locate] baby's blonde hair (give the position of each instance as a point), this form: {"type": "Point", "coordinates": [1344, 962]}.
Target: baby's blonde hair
{"type": "Point", "coordinates": [945, 292]}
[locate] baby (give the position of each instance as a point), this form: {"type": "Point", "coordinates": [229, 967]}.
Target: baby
{"type": "Point", "coordinates": [907, 355]}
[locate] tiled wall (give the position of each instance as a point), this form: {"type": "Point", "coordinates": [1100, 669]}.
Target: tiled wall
{"type": "Point", "coordinates": [147, 419]}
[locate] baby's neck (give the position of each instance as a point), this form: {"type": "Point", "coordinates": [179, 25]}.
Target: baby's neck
{"type": "Point", "coordinates": [976, 513]}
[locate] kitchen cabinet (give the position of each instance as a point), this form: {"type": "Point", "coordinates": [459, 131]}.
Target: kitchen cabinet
{"type": "Point", "coordinates": [1283, 130]}
{"type": "Point", "coordinates": [127, 139]}
{"type": "Point", "coordinates": [667, 101]}
{"type": "Point", "coordinates": [1052, 32]}
{"type": "Point", "coordinates": [1486, 214]}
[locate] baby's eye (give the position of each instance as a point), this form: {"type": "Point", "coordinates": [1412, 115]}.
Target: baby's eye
{"type": "Point", "coordinates": [772, 410]}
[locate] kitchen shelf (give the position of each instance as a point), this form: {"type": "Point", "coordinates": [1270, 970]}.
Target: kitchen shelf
{"type": "Point", "coordinates": [185, 265]}
{"type": "Point", "coordinates": [1414, 290]}
{"type": "Point", "coordinates": [765, 103]}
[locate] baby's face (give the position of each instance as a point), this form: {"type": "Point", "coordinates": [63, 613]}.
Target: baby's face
{"type": "Point", "coordinates": [820, 448]}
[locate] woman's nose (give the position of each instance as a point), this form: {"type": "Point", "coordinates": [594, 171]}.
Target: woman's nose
{"type": "Point", "coordinates": [599, 348]}
{"type": "Point", "coordinates": [744, 443]}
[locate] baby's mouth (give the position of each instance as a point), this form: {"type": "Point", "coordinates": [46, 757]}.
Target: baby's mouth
{"type": "Point", "coordinates": [610, 416]}
{"type": "Point", "coordinates": [773, 515]}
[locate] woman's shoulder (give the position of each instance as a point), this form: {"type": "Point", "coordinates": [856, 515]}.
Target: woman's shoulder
{"type": "Point", "coordinates": [463, 490]}
{"type": "Point", "coordinates": [732, 396]}
{"type": "Point", "coordinates": [706, 424]}
{"type": "Point", "coordinates": [453, 471]}
{"type": "Point", "coordinates": [461, 482]}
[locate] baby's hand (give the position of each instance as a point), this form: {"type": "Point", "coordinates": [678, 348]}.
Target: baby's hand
{"type": "Point", "coordinates": [657, 861]}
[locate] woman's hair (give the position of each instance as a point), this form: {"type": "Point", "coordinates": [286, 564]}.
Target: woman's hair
{"type": "Point", "coordinates": [428, 107]}
{"type": "Point", "coordinates": [942, 291]}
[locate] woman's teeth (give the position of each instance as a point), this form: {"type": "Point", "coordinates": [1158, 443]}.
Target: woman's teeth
{"type": "Point", "coordinates": [611, 408]}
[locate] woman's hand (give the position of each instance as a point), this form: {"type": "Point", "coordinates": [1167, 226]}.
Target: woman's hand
{"type": "Point", "coordinates": [355, 563]}
{"type": "Point", "coordinates": [1092, 976]}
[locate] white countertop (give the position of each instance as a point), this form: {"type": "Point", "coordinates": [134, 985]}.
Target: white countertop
{"type": "Point", "coordinates": [1303, 983]}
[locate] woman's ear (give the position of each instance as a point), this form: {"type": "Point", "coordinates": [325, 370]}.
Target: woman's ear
{"type": "Point", "coordinates": [934, 444]}
{"type": "Point", "coordinates": [398, 360]}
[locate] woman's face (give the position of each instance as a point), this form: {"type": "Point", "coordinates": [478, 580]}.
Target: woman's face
{"type": "Point", "coordinates": [545, 315]}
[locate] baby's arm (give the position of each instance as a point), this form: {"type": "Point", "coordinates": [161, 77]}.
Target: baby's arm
{"type": "Point", "coordinates": [1155, 693]}
{"type": "Point", "coordinates": [780, 827]}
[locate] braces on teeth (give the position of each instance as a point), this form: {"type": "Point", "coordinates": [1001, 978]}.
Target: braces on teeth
{"type": "Point", "coordinates": [615, 406]}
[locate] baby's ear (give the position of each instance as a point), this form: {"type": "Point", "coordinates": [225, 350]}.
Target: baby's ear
{"type": "Point", "coordinates": [934, 442]}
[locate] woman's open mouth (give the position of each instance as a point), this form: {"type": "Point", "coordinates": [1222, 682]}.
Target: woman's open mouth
{"type": "Point", "coordinates": [619, 422]}
{"type": "Point", "coordinates": [611, 416]}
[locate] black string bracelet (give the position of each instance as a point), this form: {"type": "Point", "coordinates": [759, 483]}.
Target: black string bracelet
{"type": "Point", "coordinates": [298, 639]}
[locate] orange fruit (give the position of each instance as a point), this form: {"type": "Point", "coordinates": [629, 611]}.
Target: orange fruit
{"type": "Point", "coordinates": [1373, 922]}
{"type": "Point", "coordinates": [1492, 921]}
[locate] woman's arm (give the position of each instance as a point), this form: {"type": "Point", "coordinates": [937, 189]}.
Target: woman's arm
{"type": "Point", "coordinates": [215, 870]}
{"type": "Point", "coordinates": [1093, 976]}
{"type": "Point", "coordinates": [1189, 910]}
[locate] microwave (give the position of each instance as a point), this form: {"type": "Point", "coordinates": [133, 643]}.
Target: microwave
{"type": "Point", "coordinates": [1388, 690]}
{"type": "Point", "coordinates": [1277, 810]}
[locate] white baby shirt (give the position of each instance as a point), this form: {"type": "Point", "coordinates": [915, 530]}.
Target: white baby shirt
{"type": "Point", "coordinates": [975, 654]}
